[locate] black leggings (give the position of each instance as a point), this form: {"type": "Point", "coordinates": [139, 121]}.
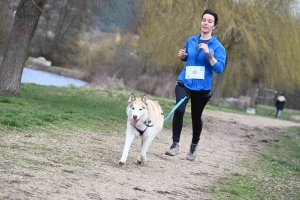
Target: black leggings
{"type": "Point", "coordinates": [197, 107]}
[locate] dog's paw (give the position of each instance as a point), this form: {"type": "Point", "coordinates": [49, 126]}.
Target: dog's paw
{"type": "Point", "coordinates": [141, 160]}
{"type": "Point", "coordinates": [122, 162]}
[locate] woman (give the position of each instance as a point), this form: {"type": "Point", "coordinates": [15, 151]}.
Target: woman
{"type": "Point", "coordinates": [204, 55]}
{"type": "Point", "coordinates": [280, 102]}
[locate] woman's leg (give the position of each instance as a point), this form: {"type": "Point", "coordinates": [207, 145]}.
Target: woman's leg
{"type": "Point", "coordinates": [279, 113]}
{"type": "Point", "coordinates": [197, 107]}
{"type": "Point", "coordinates": [180, 93]}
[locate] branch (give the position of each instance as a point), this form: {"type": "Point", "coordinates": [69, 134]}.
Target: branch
{"type": "Point", "coordinates": [44, 3]}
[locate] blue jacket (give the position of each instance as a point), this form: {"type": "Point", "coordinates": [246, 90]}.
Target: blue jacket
{"type": "Point", "coordinates": [198, 59]}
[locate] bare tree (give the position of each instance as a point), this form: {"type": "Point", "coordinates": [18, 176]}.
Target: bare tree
{"type": "Point", "coordinates": [57, 29]}
{"type": "Point", "coordinates": [15, 52]}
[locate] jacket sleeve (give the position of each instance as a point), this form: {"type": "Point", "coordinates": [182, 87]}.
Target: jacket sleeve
{"type": "Point", "coordinates": [220, 56]}
{"type": "Point", "coordinates": [185, 58]}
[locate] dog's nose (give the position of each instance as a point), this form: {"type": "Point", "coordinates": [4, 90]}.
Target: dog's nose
{"type": "Point", "coordinates": [134, 116]}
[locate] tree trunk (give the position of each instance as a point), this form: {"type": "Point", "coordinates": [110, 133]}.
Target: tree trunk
{"type": "Point", "coordinates": [254, 92]}
{"type": "Point", "coordinates": [15, 52]}
{"type": "Point", "coordinates": [216, 93]}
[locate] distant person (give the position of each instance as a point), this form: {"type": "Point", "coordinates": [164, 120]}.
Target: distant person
{"type": "Point", "coordinates": [204, 55]}
{"type": "Point", "coordinates": [279, 105]}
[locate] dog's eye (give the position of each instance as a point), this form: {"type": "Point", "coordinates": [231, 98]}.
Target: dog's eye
{"type": "Point", "coordinates": [141, 109]}
{"type": "Point", "coordinates": [132, 108]}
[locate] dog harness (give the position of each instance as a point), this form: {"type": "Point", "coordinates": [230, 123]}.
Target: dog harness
{"type": "Point", "coordinates": [147, 125]}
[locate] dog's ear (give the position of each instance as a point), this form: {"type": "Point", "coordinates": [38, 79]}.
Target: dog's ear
{"type": "Point", "coordinates": [131, 98]}
{"type": "Point", "coordinates": [144, 99]}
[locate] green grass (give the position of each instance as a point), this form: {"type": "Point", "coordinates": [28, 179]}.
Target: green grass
{"type": "Point", "coordinates": [69, 107]}
{"type": "Point", "coordinates": [87, 108]}
{"type": "Point", "coordinates": [261, 110]}
{"type": "Point", "coordinates": [285, 114]}
{"type": "Point", "coordinates": [273, 175]}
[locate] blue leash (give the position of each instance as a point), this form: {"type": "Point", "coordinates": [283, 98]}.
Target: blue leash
{"type": "Point", "coordinates": [175, 107]}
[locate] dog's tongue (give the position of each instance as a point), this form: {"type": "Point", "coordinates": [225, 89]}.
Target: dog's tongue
{"type": "Point", "coordinates": [133, 122]}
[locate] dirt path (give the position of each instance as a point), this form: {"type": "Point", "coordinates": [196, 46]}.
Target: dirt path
{"type": "Point", "coordinates": [84, 165]}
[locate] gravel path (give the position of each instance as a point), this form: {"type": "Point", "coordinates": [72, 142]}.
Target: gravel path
{"type": "Point", "coordinates": [84, 165]}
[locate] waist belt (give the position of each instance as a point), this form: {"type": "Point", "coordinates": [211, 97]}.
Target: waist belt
{"type": "Point", "coordinates": [208, 95]}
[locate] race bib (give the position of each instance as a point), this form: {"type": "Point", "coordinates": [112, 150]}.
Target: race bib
{"type": "Point", "coordinates": [195, 72]}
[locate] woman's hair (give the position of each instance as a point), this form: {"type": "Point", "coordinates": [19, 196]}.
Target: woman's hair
{"type": "Point", "coordinates": [213, 13]}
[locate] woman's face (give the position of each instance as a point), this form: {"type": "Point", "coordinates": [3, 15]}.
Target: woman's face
{"type": "Point", "coordinates": [207, 23]}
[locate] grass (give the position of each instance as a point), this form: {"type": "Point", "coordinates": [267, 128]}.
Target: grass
{"type": "Point", "coordinates": [67, 107]}
{"type": "Point", "coordinates": [85, 108]}
{"type": "Point", "coordinates": [285, 114]}
{"type": "Point", "coordinates": [261, 110]}
{"type": "Point", "coordinates": [273, 175]}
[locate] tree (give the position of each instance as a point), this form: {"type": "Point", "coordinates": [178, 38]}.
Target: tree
{"type": "Point", "coordinates": [57, 30]}
{"type": "Point", "coordinates": [15, 51]}
{"type": "Point", "coordinates": [6, 16]}
{"type": "Point", "coordinates": [167, 25]}
{"type": "Point", "coordinates": [261, 57]}
{"type": "Point", "coordinates": [250, 30]}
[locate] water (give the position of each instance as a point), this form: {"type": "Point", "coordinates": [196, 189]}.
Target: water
{"type": "Point", "coordinates": [46, 78]}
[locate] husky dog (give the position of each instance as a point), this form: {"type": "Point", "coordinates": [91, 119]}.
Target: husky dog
{"type": "Point", "coordinates": [146, 119]}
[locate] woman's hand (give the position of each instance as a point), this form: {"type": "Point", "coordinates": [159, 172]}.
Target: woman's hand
{"type": "Point", "coordinates": [204, 47]}
{"type": "Point", "coordinates": [182, 53]}
{"type": "Point", "coordinates": [209, 53]}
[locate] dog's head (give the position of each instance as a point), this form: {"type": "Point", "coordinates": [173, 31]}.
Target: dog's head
{"type": "Point", "coordinates": [137, 109]}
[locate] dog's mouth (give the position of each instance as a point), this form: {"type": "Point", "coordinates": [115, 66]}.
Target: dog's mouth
{"type": "Point", "coordinates": [134, 122]}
